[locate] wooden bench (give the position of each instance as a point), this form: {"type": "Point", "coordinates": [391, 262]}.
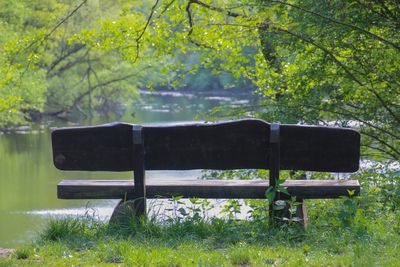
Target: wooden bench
{"type": "Point", "coordinates": [242, 144]}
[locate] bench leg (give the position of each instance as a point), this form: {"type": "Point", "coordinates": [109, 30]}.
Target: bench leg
{"type": "Point", "coordinates": [301, 212]}
{"type": "Point", "coordinates": [129, 210]}
{"type": "Point", "coordinates": [280, 215]}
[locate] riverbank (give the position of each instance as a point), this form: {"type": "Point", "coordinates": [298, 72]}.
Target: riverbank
{"type": "Point", "coordinates": [220, 243]}
{"type": "Point", "coordinates": [362, 231]}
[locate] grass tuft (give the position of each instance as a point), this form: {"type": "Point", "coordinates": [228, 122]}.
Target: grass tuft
{"type": "Point", "coordinates": [71, 229]}
{"type": "Point", "coordinates": [23, 253]}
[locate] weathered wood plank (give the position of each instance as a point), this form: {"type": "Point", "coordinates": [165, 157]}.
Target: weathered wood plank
{"type": "Point", "coordinates": [242, 144]}
{"type": "Point", "coordinates": [253, 189]}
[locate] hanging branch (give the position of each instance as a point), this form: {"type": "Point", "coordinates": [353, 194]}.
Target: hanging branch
{"type": "Point", "coordinates": [214, 8]}
{"type": "Point", "coordinates": [138, 39]}
{"type": "Point", "coordinates": [210, 7]}
{"type": "Point", "coordinates": [341, 65]}
{"type": "Point", "coordinates": [190, 21]}
{"type": "Point", "coordinates": [339, 22]}
{"type": "Point", "coordinates": [47, 35]}
{"type": "Point", "coordinates": [74, 49]}
{"type": "Point", "coordinates": [165, 8]}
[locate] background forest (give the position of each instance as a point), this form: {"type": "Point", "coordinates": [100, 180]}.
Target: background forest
{"type": "Point", "coordinates": [318, 62]}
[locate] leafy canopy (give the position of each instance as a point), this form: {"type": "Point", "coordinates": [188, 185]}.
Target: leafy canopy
{"type": "Point", "coordinates": [322, 62]}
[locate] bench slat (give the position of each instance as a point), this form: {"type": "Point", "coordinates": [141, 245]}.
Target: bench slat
{"type": "Point", "coordinates": [251, 189]}
{"type": "Point", "coordinates": [242, 144]}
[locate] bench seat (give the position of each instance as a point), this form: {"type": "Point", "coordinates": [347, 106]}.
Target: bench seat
{"type": "Point", "coordinates": [252, 189]}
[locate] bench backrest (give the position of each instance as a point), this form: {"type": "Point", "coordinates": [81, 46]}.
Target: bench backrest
{"type": "Point", "coordinates": [242, 144]}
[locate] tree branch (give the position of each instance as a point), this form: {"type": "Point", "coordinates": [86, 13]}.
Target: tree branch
{"type": "Point", "coordinates": [350, 114]}
{"type": "Point", "coordinates": [190, 21]}
{"type": "Point", "coordinates": [138, 39]}
{"type": "Point", "coordinates": [70, 64]}
{"type": "Point", "coordinates": [325, 50]}
{"type": "Point", "coordinates": [47, 35]}
{"type": "Point", "coordinates": [165, 8]}
{"type": "Point", "coordinates": [74, 49]}
{"type": "Point", "coordinates": [339, 22]}
{"type": "Point", "coordinates": [214, 8]}
{"type": "Point", "coordinates": [380, 150]}
{"type": "Point", "coordinates": [81, 96]}
{"type": "Point", "coordinates": [347, 70]}
{"type": "Point", "coordinates": [210, 7]}
{"type": "Point", "coordinates": [382, 142]}
{"type": "Point", "coordinates": [384, 104]}
{"type": "Point", "coordinates": [153, 8]}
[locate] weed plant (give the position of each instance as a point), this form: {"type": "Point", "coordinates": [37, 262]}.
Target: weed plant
{"type": "Point", "coordinates": [352, 231]}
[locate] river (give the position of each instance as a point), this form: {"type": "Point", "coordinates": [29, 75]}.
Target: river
{"type": "Point", "coordinates": [28, 179]}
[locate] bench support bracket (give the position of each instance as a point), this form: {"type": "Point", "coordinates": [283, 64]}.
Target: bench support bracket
{"type": "Point", "coordinates": [134, 208]}
{"type": "Point", "coordinates": [274, 168]}
{"type": "Point", "coordinates": [274, 164]}
{"type": "Point", "coordinates": [139, 171]}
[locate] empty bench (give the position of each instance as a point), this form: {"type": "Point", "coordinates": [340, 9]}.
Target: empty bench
{"type": "Point", "coordinates": [241, 144]}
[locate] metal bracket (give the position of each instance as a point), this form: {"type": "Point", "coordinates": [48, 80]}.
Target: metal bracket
{"type": "Point", "coordinates": [274, 153]}
{"type": "Point", "coordinates": [137, 134]}
{"type": "Point", "coordinates": [274, 162]}
{"type": "Point", "coordinates": [274, 133]}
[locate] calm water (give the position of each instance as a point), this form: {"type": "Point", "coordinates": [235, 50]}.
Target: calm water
{"type": "Point", "coordinates": [28, 179]}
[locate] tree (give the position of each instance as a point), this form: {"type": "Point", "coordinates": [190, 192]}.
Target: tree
{"type": "Point", "coordinates": [338, 61]}
{"type": "Point", "coordinates": [18, 74]}
{"type": "Point", "coordinates": [45, 70]}
{"type": "Point", "coordinates": [326, 62]}
{"type": "Point", "coordinates": [63, 55]}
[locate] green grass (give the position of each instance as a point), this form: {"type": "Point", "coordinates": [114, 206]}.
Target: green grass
{"type": "Point", "coordinates": [363, 231]}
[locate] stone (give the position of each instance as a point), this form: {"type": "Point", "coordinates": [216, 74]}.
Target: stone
{"type": "Point", "coordinates": [4, 252]}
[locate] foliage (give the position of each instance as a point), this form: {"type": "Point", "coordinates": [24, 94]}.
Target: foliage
{"type": "Point", "coordinates": [336, 61]}
{"type": "Point", "coordinates": [22, 83]}
{"type": "Point", "coordinates": [329, 62]}
{"type": "Point", "coordinates": [314, 62]}
{"type": "Point", "coordinates": [76, 59]}
{"type": "Point", "coordinates": [43, 71]}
